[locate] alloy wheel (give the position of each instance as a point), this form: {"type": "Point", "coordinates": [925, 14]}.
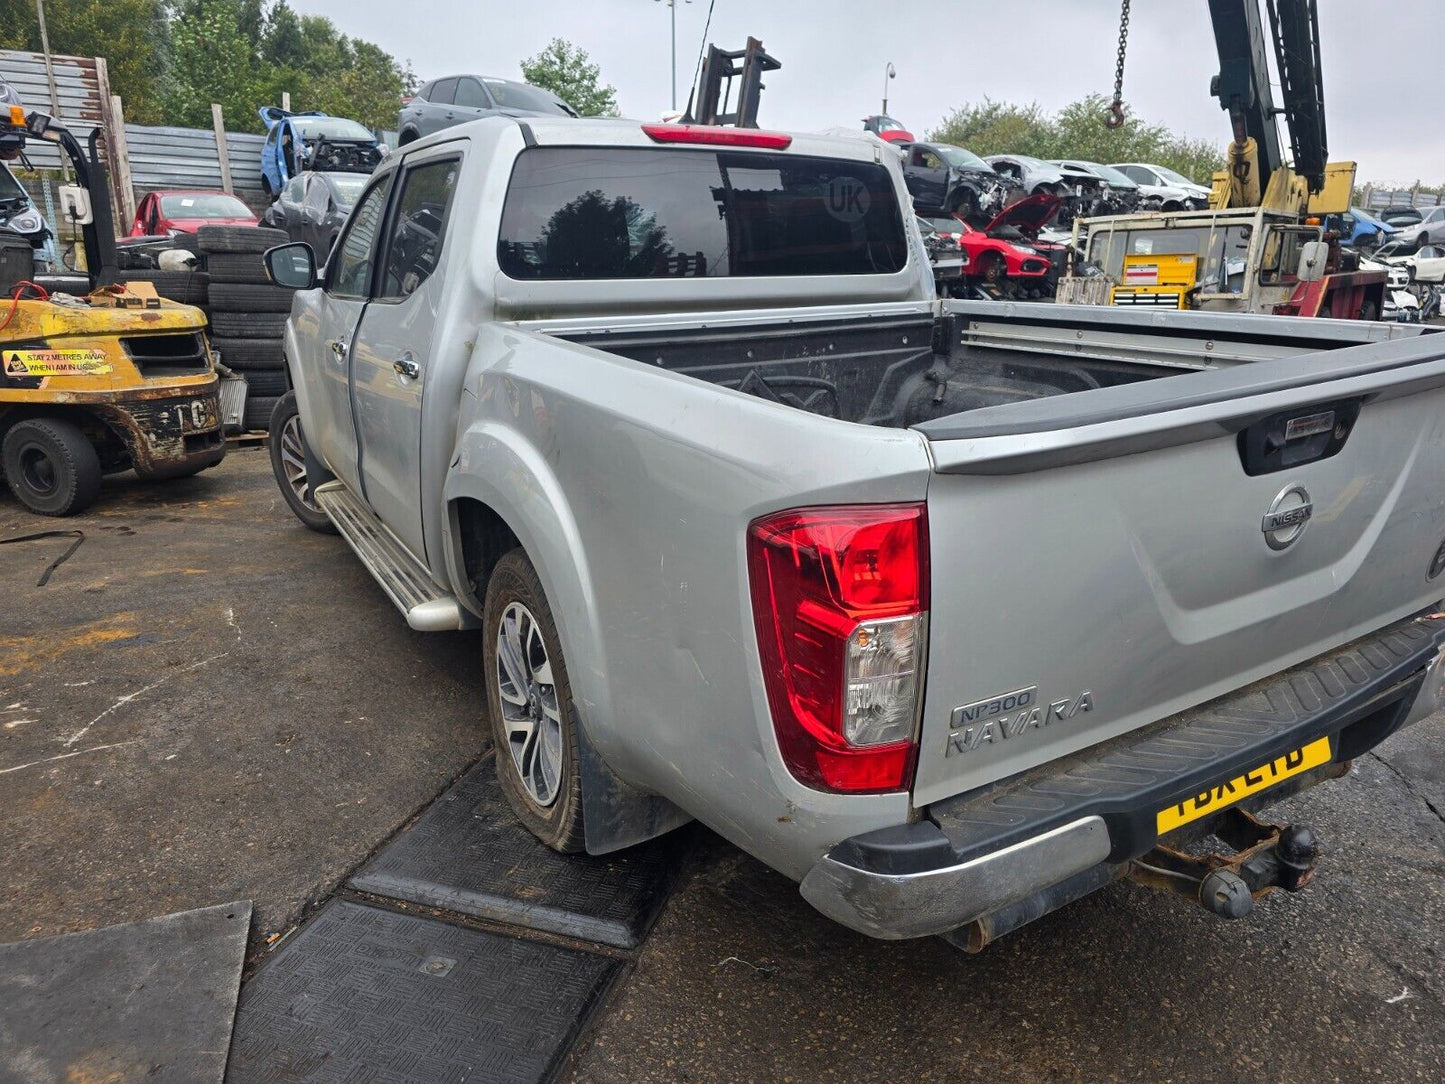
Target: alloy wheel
{"type": "Point", "coordinates": [293, 461]}
{"type": "Point", "coordinates": [531, 714]}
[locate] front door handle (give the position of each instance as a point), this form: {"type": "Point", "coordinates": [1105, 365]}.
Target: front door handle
{"type": "Point", "coordinates": [406, 367]}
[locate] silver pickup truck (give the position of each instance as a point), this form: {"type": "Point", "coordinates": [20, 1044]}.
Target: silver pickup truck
{"type": "Point", "coordinates": [951, 611]}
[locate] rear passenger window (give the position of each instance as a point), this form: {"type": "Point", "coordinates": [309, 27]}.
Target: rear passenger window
{"type": "Point", "coordinates": [442, 91]}
{"type": "Point", "coordinates": [471, 95]}
{"type": "Point", "coordinates": [419, 225]}
{"type": "Point", "coordinates": [610, 213]}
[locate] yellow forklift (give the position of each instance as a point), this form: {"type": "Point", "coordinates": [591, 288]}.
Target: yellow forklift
{"type": "Point", "coordinates": [117, 379]}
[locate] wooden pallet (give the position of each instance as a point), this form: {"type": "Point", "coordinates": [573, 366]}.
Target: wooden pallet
{"type": "Point", "coordinates": [252, 438]}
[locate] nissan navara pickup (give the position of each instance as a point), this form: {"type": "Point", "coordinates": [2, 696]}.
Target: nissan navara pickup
{"type": "Point", "coordinates": [951, 611]}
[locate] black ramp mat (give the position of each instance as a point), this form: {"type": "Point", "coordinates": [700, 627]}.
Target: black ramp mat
{"type": "Point", "coordinates": [150, 1001]}
{"type": "Point", "coordinates": [362, 994]}
{"type": "Point", "coordinates": [468, 853]}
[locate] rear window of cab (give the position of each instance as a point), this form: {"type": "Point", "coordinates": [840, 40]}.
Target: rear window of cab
{"type": "Point", "coordinates": [581, 213]}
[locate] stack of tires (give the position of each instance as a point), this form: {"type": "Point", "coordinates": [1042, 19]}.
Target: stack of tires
{"type": "Point", "coordinates": [248, 314]}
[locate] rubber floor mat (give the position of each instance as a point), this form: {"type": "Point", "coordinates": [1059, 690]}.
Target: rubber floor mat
{"type": "Point", "coordinates": [150, 1000]}
{"type": "Point", "coordinates": [468, 853]}
{"type": "Point", "coordinates": [363, 994]}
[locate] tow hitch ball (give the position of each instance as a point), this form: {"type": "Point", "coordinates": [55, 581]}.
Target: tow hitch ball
{"type": "Point", "coordinates": [1265, 857]}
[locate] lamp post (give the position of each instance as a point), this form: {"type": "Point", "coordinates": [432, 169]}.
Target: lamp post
{"type": "Point", "coordinates": [672, 8]}
{"type": "Point", "coordinates": [888, 73]}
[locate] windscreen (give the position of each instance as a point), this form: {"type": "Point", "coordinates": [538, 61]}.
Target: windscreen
{"type": "Point", "coordinates": [330, 128]}
{"type": "Point", "coordinates": [9, 187]}
{"type": "Point", "coordinates": [610, 213]}
{"type": "Point", "coordinates": [203, 205]}
{"type": "Point", "coordinates": [522, 96]}
{"type": "Point", "coordinates": [1171, 176]}
{"type": "Point", "coordinates": [1110, 174]}
{"type": "Point", "coordinates": [963, 158]}
{"type": "Point", "coordinates": [348, 187]}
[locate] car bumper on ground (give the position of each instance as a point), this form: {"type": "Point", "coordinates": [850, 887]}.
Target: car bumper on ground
{"type": "Point", "coordinates": [1062, 830]}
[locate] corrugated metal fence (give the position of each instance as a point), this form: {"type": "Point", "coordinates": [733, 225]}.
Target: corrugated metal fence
{"type": "Point", "coordinates": [187, 158]}
{"type": "Point", "coordinates": [159, 157]}
{"type": "Point", "coordinates": [1378, 199]}
{"type": "Point", "coordinates": [78, 88]}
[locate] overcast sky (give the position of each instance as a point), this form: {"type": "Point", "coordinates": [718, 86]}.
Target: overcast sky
{"type": "Point", "coordinates": [1382, 82]}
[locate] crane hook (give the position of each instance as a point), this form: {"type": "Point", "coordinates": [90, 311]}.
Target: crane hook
{"type": "Point", "coordinates": [1115, 118]}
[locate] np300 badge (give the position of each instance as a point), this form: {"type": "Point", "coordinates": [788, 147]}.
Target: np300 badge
{"type": "Point", "coordinates": [999, 718]}
{"type": "Point", "coordinates": [1287, 517]}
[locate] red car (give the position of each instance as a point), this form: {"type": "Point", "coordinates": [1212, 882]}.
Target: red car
{"type": "Point", "coordinates": [1006, 253]}
{"type": "Point", "coordinates": [186, 210]}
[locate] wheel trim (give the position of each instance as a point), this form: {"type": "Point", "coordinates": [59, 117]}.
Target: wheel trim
{"type": "Point", "coordinates": [531, 713]}
{"type": "Point", "coordinates": [293, 461]}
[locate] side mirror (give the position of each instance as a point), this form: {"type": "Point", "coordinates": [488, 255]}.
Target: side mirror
{"type": "Point", "coordinates": [293, 266]}
{"type": "Point", "coordinates": [1312, 259]}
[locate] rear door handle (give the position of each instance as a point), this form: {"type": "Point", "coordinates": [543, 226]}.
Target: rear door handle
{"type": "Point", "coordinates": [338, 347]}
{"type": "Point", "coordinates": [406, 367]}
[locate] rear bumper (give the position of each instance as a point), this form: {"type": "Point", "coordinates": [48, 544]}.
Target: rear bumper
{"type": "Point", "coordinates": [1079, 818]}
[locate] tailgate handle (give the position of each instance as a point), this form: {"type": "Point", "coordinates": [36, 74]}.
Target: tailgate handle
{"type": "Point", "coordinates": [1294, 437]}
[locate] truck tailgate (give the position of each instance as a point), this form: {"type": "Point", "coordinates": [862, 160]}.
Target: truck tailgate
{"type": "Point", "coordinates": [1106, 559]}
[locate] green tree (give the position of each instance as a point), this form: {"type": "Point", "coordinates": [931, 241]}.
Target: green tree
{"type": "Point", "coordinates": [569, 73]}
{"type": "Point", "coordinates": [132, 35]}
{"type": "Point", "coordinates": [213, 61]}
{"type": "Point", "coordinates": [1076, 131]}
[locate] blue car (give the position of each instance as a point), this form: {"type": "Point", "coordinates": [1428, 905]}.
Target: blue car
{"type": "Point", "coordinates": [297, 142]}
{"type": "Point", "coordinates": [1360, 229]}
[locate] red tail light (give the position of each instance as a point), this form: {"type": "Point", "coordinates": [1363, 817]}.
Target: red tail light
{"type": "Point", "coordinates": [713, 135]}
{"type": "Point", "coordinates": [840, 600]}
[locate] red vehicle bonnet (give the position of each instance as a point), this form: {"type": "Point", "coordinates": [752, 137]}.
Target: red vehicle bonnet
{"type": "Point", "coordinates": [1028, 215]}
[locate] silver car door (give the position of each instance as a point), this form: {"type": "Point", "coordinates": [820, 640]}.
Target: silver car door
{"type": "Point", "coordinates": [326, 397]}
{"type": "Point", "coordinates": [394, 342]}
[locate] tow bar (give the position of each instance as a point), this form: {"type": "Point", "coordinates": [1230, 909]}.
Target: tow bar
{"type": "Point", "coordinates": [1265, 857]}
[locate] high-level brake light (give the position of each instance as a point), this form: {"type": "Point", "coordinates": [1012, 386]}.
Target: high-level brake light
{"type": "Point", "coordinates": [717, 136]}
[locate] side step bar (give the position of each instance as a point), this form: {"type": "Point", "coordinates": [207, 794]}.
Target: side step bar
{"type": "Point", "coordinates": [409, 586]}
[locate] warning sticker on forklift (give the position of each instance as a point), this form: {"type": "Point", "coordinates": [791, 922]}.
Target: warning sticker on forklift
{"type": "Point", "coordinates": [56, 363]}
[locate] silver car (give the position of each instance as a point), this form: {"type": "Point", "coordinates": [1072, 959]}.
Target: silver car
{"type": "Point", "coordinates": [457, 99]}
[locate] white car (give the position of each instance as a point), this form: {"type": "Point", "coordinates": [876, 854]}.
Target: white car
{"type": "Point", "coordinates": [1174, 191]}
{"type": "Point", "coordinates": [1425, 265]}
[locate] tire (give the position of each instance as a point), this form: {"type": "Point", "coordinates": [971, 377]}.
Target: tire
{"type": "Point", "coordinates": [545, 726]}
{"type": "Point", "coordinates": [238, 239]}
{"type": "Point", "coordinates": [270, 383]}
{"type": "Point", "coordinates": [288, 464]}
{"type": "Point", "coordinates": [237, 267]}
{"type": "Point", "coordinates": [257, 417]}
{"type": "Point", "coordinates": [247, 354]}
{"type": "Point", "coordinates": [185, 287]}
{"type": "Point", "coordinates": [249, 325]}
{"type": "Point", "coordinates": [247, 297]}
{"type": "Point", "coordinates": [1368, 311]}
{"type": "Point", "coordinates": [51, 466]}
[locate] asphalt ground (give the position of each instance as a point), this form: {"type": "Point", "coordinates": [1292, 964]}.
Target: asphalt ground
{"type": "Point", "coordinates": [208, 702]}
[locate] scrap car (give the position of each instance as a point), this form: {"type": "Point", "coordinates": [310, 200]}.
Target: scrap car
{"type": "Point", "coordinates": [456, 99]}
{"type": "Point", "coordinates": [296, 142]}
{"type": "Point", "coordinates": [945, 178]}
{"type": "Point", "coordinates": [769, 617]}
{"type": "Point", "coordinates": [1171, 189]}
{"type": "Point", "coordinates": [313, 206]}
{"type": "Point", "coordinates": [170, 211]}
{"type": "Point", "coordinates": [1006, 254]}
{"type": "Point", "coordinates": [1080, 191]}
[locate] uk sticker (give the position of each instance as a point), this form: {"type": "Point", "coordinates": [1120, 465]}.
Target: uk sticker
{"type": "Point", "coordinates": [56, 363]}
{"type": "Point", "coordinates": [848, 199]}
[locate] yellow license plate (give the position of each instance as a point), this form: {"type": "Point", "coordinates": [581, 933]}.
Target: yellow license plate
{"type": "Point", "coordinates": [1225, 794]}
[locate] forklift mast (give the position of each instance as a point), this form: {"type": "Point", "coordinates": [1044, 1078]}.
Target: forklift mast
{"type": "Point", "coordinates": [711, 96]}
{"type": "Point", "coordinates": [98, 234]}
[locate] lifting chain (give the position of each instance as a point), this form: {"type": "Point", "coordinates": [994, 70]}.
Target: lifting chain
{"type": "Point", "coordinates": [1116, 107]}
